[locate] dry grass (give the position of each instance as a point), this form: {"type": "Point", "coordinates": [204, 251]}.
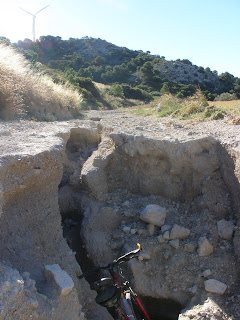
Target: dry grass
{"type": "Point", "coordinates": [24, 93]}
{"type": "Point", "coordinates": [192, 108]}
{"type": "Point", "coordinates": [232, 107]}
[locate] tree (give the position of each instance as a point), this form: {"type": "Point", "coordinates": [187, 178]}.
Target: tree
{"type": "Point", "coordinates": [165, 89]}
{"type": "Point", "coordinates": [227, 80]}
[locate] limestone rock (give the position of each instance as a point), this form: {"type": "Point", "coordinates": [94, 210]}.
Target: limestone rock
{"type": "Point", "coordinates": [205, 248]}
{"type": "Point", "coordinates": [193, 289]}
{"type": "Point", "coordinates": [166, 235]}
{"type": "Point", "coordinates": [179, 232]}
{"type": "Point", "coordinates": [207, 273]}
{"type": "Point", "coordinates": [174, 243]}
{"type": "Point", "coordinates": [154, 214]}
{"type": "Point", "coordinates": [166, 227]}
{"type": "Point", "coordinates": [61, 280]}
{"type": "Point", "coordinates": [160, 239]}
{"type": "Point", "coordinates": [225, 229]}
{"type": "Point", "coordinates": [188, 247]}
{"type": "Point", "coordinates": [151, 229]}
{"type": "Point", "coordinates": [215, 286]}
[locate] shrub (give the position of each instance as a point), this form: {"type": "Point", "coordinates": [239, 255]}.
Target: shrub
{"type": "Point", "coordinates": [135, 93]}
{"type": "Point", "coordinates": [195, 104]}
{"type": "Point", "coordinates": [226, 96]}
{"type": "Point", "coordinates": [168, 104]}
{"type": "Point", "coordinates": [116, 90]}
{"type": "Point", "coordinates": [87, 84]}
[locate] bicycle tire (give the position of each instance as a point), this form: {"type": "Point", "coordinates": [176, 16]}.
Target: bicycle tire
{"type": "Point", "coordinates": [127, 307]}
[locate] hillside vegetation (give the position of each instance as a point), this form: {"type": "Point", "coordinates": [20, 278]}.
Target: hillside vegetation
{"type": "Point", "coordinates": [91, 73]}
{"type": "Point", "coordinates": [132, 74]}
{"type": "Point", "coordinates": [24, 93]}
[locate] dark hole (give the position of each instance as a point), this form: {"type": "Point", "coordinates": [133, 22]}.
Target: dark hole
{"type": "Point", "coordinates": [162, 309]}
{"type": "Point", "coordinates": [71, 232]}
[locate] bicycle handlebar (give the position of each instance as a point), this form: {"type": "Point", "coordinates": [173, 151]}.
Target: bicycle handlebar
{"type": "Point", "coordinates": [115, 262]}
{"type": "Point", "coordinates": [127, 256]}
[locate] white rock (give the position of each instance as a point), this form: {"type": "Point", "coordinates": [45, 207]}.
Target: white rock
{"type": "Point", "coordinates": [205, 248]}
{"type": "Point", "coordinates": [225, 229]}
{"type": "Point", "coordinates": [154, 214]}
{"type": "Point", "coordinates": [193, 289]}
{"type": "Point", "coordinates": [126, 203]}
{"type": "Point", "coordinates": [166, 235]}
{"type": "Point", "coordinates": [160, 239]}
{"type": "Point", "coordinates": [179, 232]}
{"type": "Point", "coordinates": [215, 286]}
{"type": "Point", "coordinates": [174, 243]}
{"type": "Point", "coordinates": [126, 229]}
{"type": "Point", "coordinates": [133, 231]}
{"type": "Point", "coordinates": [166, 227]}
{"type": "Point", "coordinates": [151, 229]}
{"type": "Point", "coordinates": [61, 280]}
{"type": "Point", "coordinates": [207, 273]}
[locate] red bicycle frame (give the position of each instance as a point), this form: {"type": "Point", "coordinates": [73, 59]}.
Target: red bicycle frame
{"type": "Point", "coordinates": [135, 298]}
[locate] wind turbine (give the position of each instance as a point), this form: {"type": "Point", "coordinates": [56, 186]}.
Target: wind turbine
{"type": "Point", "coordinates": [34, 17]}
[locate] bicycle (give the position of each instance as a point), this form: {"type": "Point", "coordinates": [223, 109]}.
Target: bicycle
{"type": "Point", "coordinates": [117, 296]}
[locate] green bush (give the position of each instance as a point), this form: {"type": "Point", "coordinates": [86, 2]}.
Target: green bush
{"type": "Point", "coordinates": [116, 90]}
{"type": "Point", "coordinates": [87, 84]}
{"type": "Point", "coordinates": [226, 96]}
{"type": "Point", "coordinates": [135, 93]}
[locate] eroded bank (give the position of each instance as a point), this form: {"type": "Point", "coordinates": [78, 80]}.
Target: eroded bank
{"type": "Point", "coordinates": [102, 178]}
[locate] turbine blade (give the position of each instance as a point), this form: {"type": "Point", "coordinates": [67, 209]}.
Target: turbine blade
{"type": "Point", "coordinates": [42, 9]}
{"type": "Point", "coordinates": [26, 11]}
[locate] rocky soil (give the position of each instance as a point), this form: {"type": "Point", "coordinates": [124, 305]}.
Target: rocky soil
{"type": "Point", "coordinates": [171, 186]}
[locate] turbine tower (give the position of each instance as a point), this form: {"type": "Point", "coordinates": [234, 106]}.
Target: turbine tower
{"type": "Point", "coordinates": [34, 17]}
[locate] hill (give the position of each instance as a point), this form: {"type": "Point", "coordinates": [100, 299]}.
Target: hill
{"type": "Point", "coordinates": [141, 75]}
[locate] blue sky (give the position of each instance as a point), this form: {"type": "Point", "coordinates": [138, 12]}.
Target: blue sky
{"type": "Point", "coordinates": [206, 32]}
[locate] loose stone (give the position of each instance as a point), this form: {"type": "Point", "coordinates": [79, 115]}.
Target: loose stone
{"type": "Point", "coordinates": [215, 286]}
{"type": "Point", "coordinates": [133, 231]}
{"type": "Point", "coordinates": [160, 239]}
{"type": "Point", "coordinates": [63, 282]}
{"type": "Point", "coordinates": [166, 227]}
{"type": "Point", "coordinates": [126, 229]}
{"type": "Point", "coordinates": [179, 232]}
{"type": "Point", "coordinates": [225, 229]}
{"type": "Point", "coordinates": [174, 243]}
{"type": "Point", "coordinates": [151, 229]}
{"type": "Point", "coordinates": [189, 247]}
{"type": "Point", "coordinates": [207, 273]}
{"type": "Point", "coordinates": [205, 248]}
{"type": "Point", "coordinates": [166, 235]}
{"type": "Point", "coordinates": [154, 214]}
